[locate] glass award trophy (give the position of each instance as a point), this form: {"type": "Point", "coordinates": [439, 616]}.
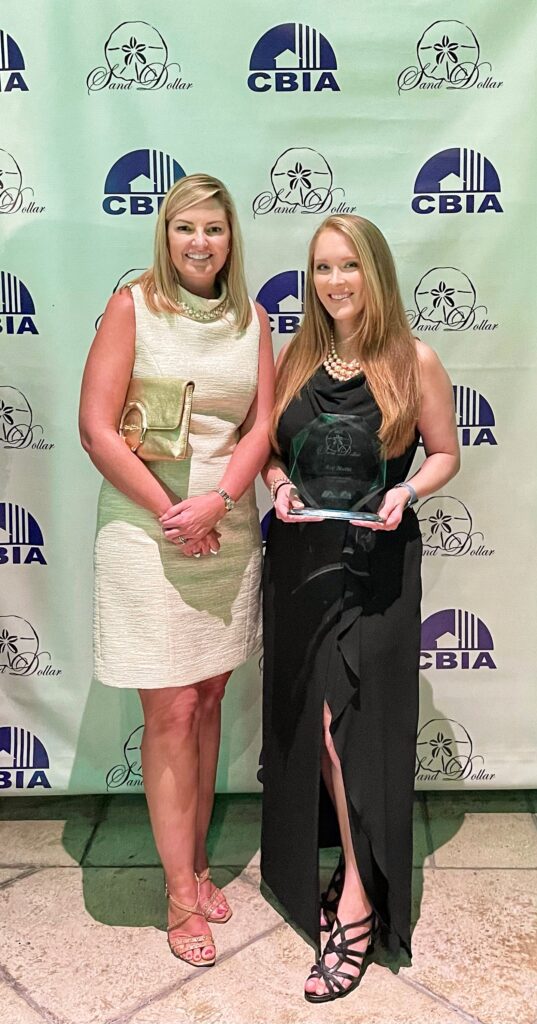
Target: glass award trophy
{"type": "Point", "coordinates": [337, 467]}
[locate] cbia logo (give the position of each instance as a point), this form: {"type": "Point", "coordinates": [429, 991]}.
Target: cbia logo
{"type": "Point", "coordinates": [292, 58]}
{"type": "Point", "coordinates": [475, 418]}
{"type": "Point", "coordinates": [23, 759]}
{"type": "Point", "coordinates": [138, 182]}
{"type": "Point", "coordinates": [283, 298]}
{"type": "Point", "coordinates": [454, 638]}
{"type": "Point", "coordinates": [11, 65]}
{"type": "Point", "coordinates": [17, 310]}
{"type": "Point", "coordinates": [457, 181]}
{"type": "Point", "coordinates": [21, 539]}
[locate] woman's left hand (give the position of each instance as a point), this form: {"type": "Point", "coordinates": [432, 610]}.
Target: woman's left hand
{"type": "Point", "coordinates": [391, 510]}
{"type": "Point", "coordinates": [193, 517]}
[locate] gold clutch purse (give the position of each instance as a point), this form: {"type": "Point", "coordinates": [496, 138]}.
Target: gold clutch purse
{"type": "Point", "coordinates": [156, 417]}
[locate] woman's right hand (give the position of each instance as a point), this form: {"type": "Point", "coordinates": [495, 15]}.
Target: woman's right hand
{"type": "Point", "coordinates": [208, 545]}
{"type": "Point", "coordinates": [288, 498]}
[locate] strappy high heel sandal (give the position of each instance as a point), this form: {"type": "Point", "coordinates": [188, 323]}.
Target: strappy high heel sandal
{"type": "Point", "coordinates": [334, 978]}
{"type": "Point", "coordinates": [331, 896]}
{"type": "Point", "coordinates": [186, 943]}
{"type": "Point", "coordinates": [216, 899]}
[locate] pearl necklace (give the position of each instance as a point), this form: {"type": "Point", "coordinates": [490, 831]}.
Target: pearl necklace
{"type": "Point", "coordinates": [203, 315]}
{"type": "Point", "coordinates": [337, 368]}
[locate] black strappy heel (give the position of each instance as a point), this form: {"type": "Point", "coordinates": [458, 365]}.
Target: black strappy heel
{"type": "Point", "coordinates": [330, 903]}
{"type": "Point", "coordinates": [333, 977]}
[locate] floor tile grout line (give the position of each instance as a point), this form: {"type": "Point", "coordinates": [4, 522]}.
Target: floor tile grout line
{"type": "Point", "coordinates": [179, 986]}
{"type": "Point", "coordinates": [420, 987]}
{"type": "Point", "coordinates": [20, 990]}
{"type": "Point", "coordinates": [24, 873]}
{"type": "Point", "coordinates": [89, 843]}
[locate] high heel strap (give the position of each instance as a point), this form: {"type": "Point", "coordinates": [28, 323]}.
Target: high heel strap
{"type": "Point", "coordinates": [204, 876]}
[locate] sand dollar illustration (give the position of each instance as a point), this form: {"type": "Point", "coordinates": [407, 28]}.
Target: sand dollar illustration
{"type": "Point", "coordinates": [301, 177]}
{"type": "Point", "coordinates": [448, 51]}
{"type": "Point", "coordinates": [132, 51]}
{"type": "Point", "coordinates": [15, 416]}
{"type": "Point", "coordinates": [133, 751]}
{"type": "Point", "coordinates": [19, 643]}
{"type": "Point", "coordinates": [444, 746]}
{"type": "Point", "coordinates": [10, 181]}
{"type": "Point", "coordinates": [445, 523]}
{"type": "Point", "coordinates": [445, 295]}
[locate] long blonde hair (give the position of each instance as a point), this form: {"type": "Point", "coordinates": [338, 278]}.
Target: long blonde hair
{"type": "Point", "coordinates": [159, 283]}
{"type": "Point", "coordinates": [385, 344]}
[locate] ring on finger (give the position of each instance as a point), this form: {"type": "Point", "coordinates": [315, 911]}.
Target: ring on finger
{"type": "Point", "coordinates": [181, 539]}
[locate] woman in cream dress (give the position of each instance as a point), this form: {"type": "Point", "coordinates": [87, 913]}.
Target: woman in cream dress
{"type": "Point", "coordinates": [178, 550]}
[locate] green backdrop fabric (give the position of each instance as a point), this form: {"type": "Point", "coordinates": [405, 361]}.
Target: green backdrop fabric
{"type": "Point", "coordinates": [417, 115]}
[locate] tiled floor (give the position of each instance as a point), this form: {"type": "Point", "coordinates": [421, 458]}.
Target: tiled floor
{"type": "Point", "coordinates": [82, 918]}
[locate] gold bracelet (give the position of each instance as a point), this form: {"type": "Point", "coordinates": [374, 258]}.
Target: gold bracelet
{"type": "Point", "coordinates": [274, 488]}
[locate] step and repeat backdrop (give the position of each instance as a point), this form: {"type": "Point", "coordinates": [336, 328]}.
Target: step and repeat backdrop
{"type": "Point", "coordinates": [418, 116]}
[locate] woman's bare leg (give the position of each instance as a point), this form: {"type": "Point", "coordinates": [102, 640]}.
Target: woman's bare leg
{"type": "Point", "coordinates": [354, 904]}
{"type": "Point", "coordinates": [211, 692]}
{"type": "Point", "coordinates": [170, 762]}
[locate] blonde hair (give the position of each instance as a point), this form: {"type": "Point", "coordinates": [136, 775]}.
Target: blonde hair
{"type": "Point", "coordinates": [385, 344]}
{"type": "Point", "coordinates": [159, 283]}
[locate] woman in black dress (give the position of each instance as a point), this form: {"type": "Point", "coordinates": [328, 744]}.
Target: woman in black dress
{"type": "Point", "coordinates": [342, 612]}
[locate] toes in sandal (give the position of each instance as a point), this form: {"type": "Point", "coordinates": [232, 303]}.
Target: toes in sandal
{"type": "Point", "coordinates": [331, 896]}
{"type": "Point", "coordinates": [334, 978]}
{"type": "Point", "coordinates": [216, 899]}
{"type": "Point", "coordinates": [185, 943]}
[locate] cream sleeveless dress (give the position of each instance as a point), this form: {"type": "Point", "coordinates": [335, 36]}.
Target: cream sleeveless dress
{"type": "Point", "coordinates": [160, 618]}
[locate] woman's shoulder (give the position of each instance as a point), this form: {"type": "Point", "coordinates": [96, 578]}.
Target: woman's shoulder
{"type": "Point", "coordinates": [427, 357]}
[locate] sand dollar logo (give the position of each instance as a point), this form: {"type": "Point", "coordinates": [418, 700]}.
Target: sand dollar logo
{"type": "Point", "coordinates": [136, 52]}
{"type": "Point", "coordinates": [445, 299]}
{"type": "Point", "coordinates": [447, 529]}
{"type": "Point", "coordinates": [17, 429]}
{"type": "Point", "coordinates": [302, 177]}
{"type": "Point", "coordinates": [302, 182]}
{"type": "Point", "coordinates": [338, 442]}
{"type": "Point", "coordinates": [448, 57]}
{"type": "Point", "coordinates": [13, 195]}
{"type": "Point", "coordinates": [136, 56]}
{"type": "Point", "coordinates": [129, 772]}
{"type": "Point", "coordinates": [444, 750]}
{"type": "Point", "coordinates": [19, 649]}
{"type": "Point", "coordinates": [10, 183]}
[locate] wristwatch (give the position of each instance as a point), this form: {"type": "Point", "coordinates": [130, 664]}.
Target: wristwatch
{"type": "Point", "coordinates": [228, 500]}
{"type": "Point", "coordinates": [413, 496]}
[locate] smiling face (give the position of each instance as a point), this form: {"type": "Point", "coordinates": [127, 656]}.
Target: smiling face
{"type": "Point", "coordinates": [338, 278]}
{"type": "Point", "coordinates": [199, 238]}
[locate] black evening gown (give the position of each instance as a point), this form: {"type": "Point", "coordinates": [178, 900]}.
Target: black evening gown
{"type": "Point", "coordinates": [341, 625]}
